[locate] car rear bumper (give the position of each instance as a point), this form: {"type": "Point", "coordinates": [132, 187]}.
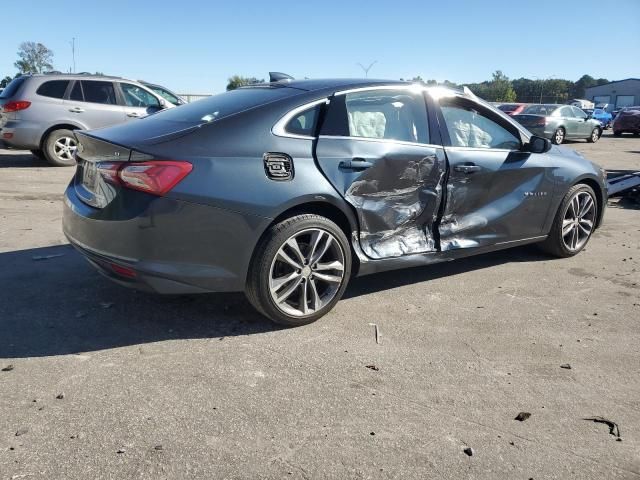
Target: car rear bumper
{"type": "Point", "coordinates": [21, 135]}
{"type": "Point", "coordinates": [171, 246]}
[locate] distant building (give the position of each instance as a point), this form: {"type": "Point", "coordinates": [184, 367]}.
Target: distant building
{"type": "Point", "coordinates": [622, 93]}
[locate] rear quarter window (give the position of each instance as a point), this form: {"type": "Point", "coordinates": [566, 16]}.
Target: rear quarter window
{"type": "Point", "coordinates": [53, 88]}
{"type": "Point", "coordinates": [13, 87]}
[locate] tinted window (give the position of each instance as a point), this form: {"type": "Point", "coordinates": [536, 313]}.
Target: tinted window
{"type": "Point", "coordinates": [53, 89]}
{"type": "Point", "coordinates": [135, 96]}
{"type": "Point", "coordinates": [11, 89]}
{"type": "Point", "coordinates": [99, 92]}
{"type": "Point", "coordinates": [225, 104]}
{"type": "Point", "coordinates": [304, 123]}
{"type": "Point", "coordinates": [76, 92]}
{"type": "Point", "coordinates": [507, 108]}
{"type": "Point", "coordinates": [469, 127]}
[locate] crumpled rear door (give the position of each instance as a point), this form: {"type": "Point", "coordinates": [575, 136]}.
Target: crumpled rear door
{"type": "Point", "coordinates": [388, 172]}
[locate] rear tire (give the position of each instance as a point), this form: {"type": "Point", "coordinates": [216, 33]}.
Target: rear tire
{"type": "Point", "coordinates": [574, 222]}
{"type": "Point", "coordinates": [595, 135]}
{"type": "Point", "coordinates": [300, 270]}
{"type": "Point", "coordinates": [558, 136]}
{"type": "Point", "coordinates": [60, 148]}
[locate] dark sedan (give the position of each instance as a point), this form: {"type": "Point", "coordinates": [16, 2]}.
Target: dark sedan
{"type": "Point", "coordinates": [286, 190]}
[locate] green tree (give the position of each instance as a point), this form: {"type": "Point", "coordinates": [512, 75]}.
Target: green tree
{"type": "Point", "coordinates": [34, 58]}
{"type": "Point", "coordinates": [5, 81]}
{"type": "Point", "coordinates": [238, 81]}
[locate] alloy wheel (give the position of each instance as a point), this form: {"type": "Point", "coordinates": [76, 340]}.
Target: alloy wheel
{"type": "Point", "coordinates": [64, 148]}
{"type": "Point", "coordinates": [306, 272]}
{"type": "Point", "coordinates": [559, 136]}
{"type": "Point", "coordinates": [578, 221]}
{"type": "Point", "coordinates": [595, 135]}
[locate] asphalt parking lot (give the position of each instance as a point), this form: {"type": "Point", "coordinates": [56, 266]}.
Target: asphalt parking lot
{"type": "Point", "coordinates": [99, 381]}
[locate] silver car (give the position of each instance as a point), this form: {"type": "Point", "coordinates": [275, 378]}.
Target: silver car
{"type": "Point", "coordinates": [40, 112]}
{"type": "Point", "coordinates": [559, 123]}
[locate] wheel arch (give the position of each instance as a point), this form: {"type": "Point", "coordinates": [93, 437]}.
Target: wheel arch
{"type": "Point", "coordinates": [600, 195]}
{"type": "Point", "coordinates": [58, 126]}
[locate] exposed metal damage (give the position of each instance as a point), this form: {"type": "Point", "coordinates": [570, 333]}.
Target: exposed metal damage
{"type": "Point", "coordinates": [398, 202]}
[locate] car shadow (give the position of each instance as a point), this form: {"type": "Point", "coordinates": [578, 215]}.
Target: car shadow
{"type": "Point", "coordinates": [54, 303]}
{"type": "Point", "coordinates": [20, 159]}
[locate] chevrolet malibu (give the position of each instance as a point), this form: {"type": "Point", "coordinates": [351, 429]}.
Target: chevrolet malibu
{"type": "Point", "coordinates": [286, 190]}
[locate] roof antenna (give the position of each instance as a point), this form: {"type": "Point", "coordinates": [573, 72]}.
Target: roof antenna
{"type": "Point", "coordinates": [279, 77]}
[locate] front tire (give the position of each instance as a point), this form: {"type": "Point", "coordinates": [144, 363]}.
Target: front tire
{"type": "Point", "coordinates": [558, 136]}
{"type": "Point", "coordinates": [595, 135]}
{"type": "Point", "coordinates": [300, 270]}
{"type": "Point", "coordinates": [574, 223]}
{"type": "Point", "coordinates": [60, 148]}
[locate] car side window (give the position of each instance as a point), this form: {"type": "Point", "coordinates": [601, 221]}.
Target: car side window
{"type": "Point", "coordinates": [135, 96]}
{"type": "Point", "coordinates": [566, 112]}
{"type": "Point", "coordinates": [469, 127]}
{"type": "Point", "coordinates": [53, 88]}
{"type": "Point", "coordinates": [99, 92]}
{"type": "Point", "coordinates": [387, 114]}
{"type": "Point", "coordinates": [578, 113]}
{"type": "Point", "coordinates": [76, 93]}
{"type": "Point", "coordinates": [304, 123]}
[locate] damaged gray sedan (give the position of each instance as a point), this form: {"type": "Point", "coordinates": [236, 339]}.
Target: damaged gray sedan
{"type": "Point", "coordinates": [285, 190]}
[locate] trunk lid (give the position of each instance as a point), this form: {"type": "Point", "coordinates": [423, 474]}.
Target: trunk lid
{"type": "Point", "coordinates": [530, 120]}
{"type": "Point", "coordinates": [89, 183]}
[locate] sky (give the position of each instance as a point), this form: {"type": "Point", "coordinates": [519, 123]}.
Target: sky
{"type": "Point", "coordinates": [194, 46]}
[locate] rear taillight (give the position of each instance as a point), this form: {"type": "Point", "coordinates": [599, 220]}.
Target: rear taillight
{"type": "Point", "coordinates": [16, 106]}
{"type": "Point", "coordinates": [156, 176]}
{"type": "Point", "coordinates": [540, 122]}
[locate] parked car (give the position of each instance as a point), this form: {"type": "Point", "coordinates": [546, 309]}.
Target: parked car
{"type": "Point", "coordinates": [559, 123]}
{"type": "Point", "coordinates": [581, 103]}
{"type": "Point", "coordinates": [165, 93]}
{"type": "Point", "coordinates": [40, 112]}
{"type": "Point", "coordinates": [511, 108]}
{"type": "Point", "coordinates": [627, 121]}
{"type": "Point", "coordinates": [604, 117]}
{"type": "Point", "coordinates": [287, 189]}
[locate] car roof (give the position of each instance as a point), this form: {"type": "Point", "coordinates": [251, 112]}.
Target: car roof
{"type": "Point", "coordinates": [73, 76]}
{"type": "Point", "coordinates": [323, 83]}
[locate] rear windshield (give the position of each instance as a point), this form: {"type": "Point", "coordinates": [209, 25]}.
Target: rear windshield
{"type": "Point", "coordinates": [12, 88]}
{"type": "Point", "coordinates": [539, 109]}
{"type": "Point", "coordinates": [225, 104]}
{"type": "Point", "coordinates": [508, 107]}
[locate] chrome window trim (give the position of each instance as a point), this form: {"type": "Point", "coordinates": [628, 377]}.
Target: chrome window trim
{"type": "Point", "coordinates": [481, 149]}
{"type": "Point", "coordinates": [279, 129]}
{"type": "Point", "coordinates": [415, 87]}
{"type": "Point", "coordinates": [380, 140]}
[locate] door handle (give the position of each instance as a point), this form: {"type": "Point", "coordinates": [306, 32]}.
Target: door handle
{"type": "Point", "coordinates": [356, 164]}
{"type": "Point", "coordinates": [76, 110]}
{"type": "Point", "coordinates": [467, 168]}
{"type": "Point", "coordinates": [133, 114]}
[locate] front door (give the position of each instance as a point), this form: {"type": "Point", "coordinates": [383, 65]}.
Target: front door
{"type": "Point", "coordinates": [584, 127]}
{"type": "Point", "coordinates": [138, 102]}
{"type": "Point", "coordinates": [496, 192]}
{"type": "Point", "coordinates": [374, 147]}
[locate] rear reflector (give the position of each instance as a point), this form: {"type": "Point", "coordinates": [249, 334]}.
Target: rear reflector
{"type": "Point", "coordinates": [16, 106]}
{"type": "Point", "coordinates": [123, 271]}
{"type": "Point", "coordinates": [156, 176]}
{"type": "Point", "coordinates": [7, 135]}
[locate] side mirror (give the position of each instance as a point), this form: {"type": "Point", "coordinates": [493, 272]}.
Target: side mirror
{"type": "Point", "coordinates": [538, 145]}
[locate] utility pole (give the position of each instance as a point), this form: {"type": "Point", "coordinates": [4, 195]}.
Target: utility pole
{"type": "Point", "coordinates": [73, 52]}
{"type": "Point", "coordinates": [366, 69]}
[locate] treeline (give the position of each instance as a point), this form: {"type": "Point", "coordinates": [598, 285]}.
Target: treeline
{"type": "Point", "coordinates": [501, 89]}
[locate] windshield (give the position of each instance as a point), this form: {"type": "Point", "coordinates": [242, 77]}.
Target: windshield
{"type": "Point", "coordinates": [225, 104]}
{"type": "Point", "coordinates": [167, 95]}
{"type": "Point", "coordinates": [12, 88]}
{"type": "Point", "coordinates": [539, 109]}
